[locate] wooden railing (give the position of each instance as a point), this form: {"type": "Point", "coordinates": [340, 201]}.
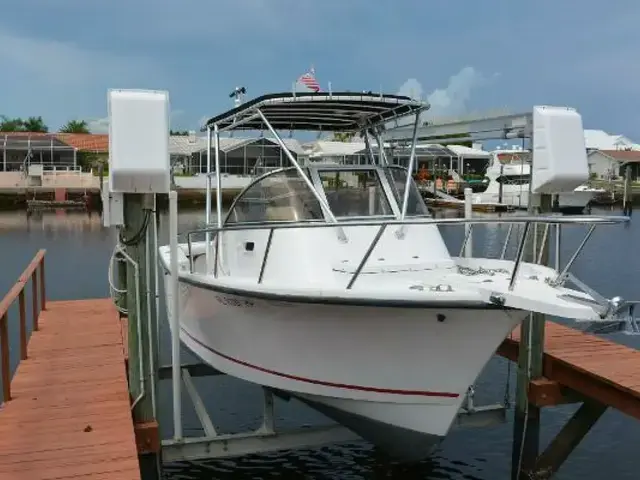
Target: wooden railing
{"type": "Point", "coordinates": [35, 273]}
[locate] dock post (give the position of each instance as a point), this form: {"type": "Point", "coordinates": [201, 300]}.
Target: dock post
{"type": "Point", "coordinates": [568, 438]}
{"type": "Point", "coordinates": [626, 196]}
{"type": "Point", "coordinates": [134, 236]}
{"type": "Point", "coordinates": [526, 421]}
{"type": "Point", "coordinates": [468, 214]}
{"type": "Point", "coordinates": [176, 376]}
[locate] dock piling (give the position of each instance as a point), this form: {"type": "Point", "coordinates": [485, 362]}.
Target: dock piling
{"type": "Point", "coordinates": [23, 325]}
{"type": "Point", "coordinates": [568, 438]}
{"type": "Point", "coordinates": [135, 239]}
{"type": "Point", "coordinates": [6, 368]}
{"type": "Point", "coordinates": [175, 318]}
{"type": "Point", "coordinates": [627, 193]}
{"type": "Point", "coordinates": [526, 425]}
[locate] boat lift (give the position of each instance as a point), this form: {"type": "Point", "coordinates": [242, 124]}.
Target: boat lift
{"type": "Point", "coordinates": [212, 444]}
{"type": "Point", "coordinates": [517, 125]}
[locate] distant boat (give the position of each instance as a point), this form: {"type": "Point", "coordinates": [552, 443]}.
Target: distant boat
{"type": "Point", "coordinates": [508, 183]}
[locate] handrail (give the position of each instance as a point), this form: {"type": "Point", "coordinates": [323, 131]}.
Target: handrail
{"type": "Point", "coordinates": [382, 224]}
{"type": "Point", "coordinates": [35, 273]}
{"type": "Point", "coordinates": [575, 220]}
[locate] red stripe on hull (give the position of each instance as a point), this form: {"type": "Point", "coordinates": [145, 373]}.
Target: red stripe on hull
{"type": "Point", "coordinates": [390, 391]}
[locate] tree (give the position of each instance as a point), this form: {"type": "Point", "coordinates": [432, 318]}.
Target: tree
{"type": "Point", "coordinates": [11, 124]}
{"type": "Point", "coordinates": [182, 133]}
{"type": "Point", "coordinates": [35, 124]}
{"type": "Point", "coordinates": [342, 136]}
{"type": "Point", "coordinates": [75, 126]}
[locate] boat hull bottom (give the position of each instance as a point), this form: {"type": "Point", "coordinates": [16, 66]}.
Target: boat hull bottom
{"type": "Point", "coordinates": [402, 444]}
{"type": "Point", "coordinates": [570, 210]}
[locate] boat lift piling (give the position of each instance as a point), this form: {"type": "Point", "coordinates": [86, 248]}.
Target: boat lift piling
{"type": "Point", "coordinates": [141, 314]}
{"type": "Point", "coordinates": [627, 208]}
{"type": "Point", "coordinates": [526, 421]}
{"type": "Point", "coordinates": [468, 213]}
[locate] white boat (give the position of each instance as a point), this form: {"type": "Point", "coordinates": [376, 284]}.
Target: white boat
{"type": "Point", "coordinates": [332, 284]}
{"type": "Point", "coordinates": [508, 183]}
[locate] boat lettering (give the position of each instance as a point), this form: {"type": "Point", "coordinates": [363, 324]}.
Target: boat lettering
{"type": "Point", "coordinates": [233, 302]}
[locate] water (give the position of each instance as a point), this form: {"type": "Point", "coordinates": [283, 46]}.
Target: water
{"type": "Point", "coordinates": [78, 250]}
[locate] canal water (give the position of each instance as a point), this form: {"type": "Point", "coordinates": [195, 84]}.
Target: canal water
{"type": "Point", "coordinates": [78, 251]}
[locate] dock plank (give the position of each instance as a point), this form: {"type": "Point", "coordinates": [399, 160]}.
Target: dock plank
{"type": "Point", "coordinates": [69, 416]}
{"type": "Point", "coordinates": [593, 366]}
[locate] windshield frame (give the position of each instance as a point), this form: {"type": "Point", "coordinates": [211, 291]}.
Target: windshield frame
{"type": "Point", "coordinates": [384, 184]}
{"type": "Point", "coordinates": [314, 174]}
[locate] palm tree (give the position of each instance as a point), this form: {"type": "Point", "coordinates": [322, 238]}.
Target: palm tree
{"type": "Point", "coordinates": [11, 124]}
{"type": "Point", "coordinates": [342, 137]}
{"type": "Point", "coordinates": [35, 124]}
{"type": "Point", "coordinates": [75, 126]}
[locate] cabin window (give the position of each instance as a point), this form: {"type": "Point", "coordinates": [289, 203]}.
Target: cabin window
{"type": "Point", "coordinates": [513, 179]}
{"type": "Point", "coordinates": [397, 177]}
{"type": "Point", "coordinates": [281, 196]}
{"type": "Point", "coordinates": [355, 193]}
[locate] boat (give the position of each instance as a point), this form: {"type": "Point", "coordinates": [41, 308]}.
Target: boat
{"type": "Point", "coordinates": [332, 284]}
{"type": "Point", "coordinates": [508, 177]}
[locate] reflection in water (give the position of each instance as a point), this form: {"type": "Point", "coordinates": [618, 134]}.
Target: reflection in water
{"type": "Point", "coordinates": [52, 221]}
{"type": "Point", "coordinates": [333, 462]}
{"type": "Point", "coordinates": [78, 250]}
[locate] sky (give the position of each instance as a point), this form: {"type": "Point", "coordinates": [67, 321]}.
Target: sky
{"type": "Point", "coordinates": [59, 57]}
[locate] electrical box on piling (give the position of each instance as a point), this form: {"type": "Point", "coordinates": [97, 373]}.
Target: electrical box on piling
{"type": "Point", "coordinates": [559, 161]}
{"type": "Point", "coordinates": [139, 141]}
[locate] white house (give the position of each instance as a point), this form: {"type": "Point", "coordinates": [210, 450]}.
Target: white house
{"type": "Point", "coordinates": [601, 140]}
{"type": "Point", "coordinates": [609, 164]}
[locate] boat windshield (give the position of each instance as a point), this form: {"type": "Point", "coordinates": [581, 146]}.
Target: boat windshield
{"type": "Point", "coordinates": [397, 178]}
{"type": "Point", "coordinates": [354, 193]}
{"type": "Point", "coordinates": [283, 196]}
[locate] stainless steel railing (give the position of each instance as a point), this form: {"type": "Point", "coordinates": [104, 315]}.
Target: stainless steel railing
{"type": "Point", "coordinates": [527, 221]}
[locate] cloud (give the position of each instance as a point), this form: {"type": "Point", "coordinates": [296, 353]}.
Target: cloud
{"type": "Point", "coordinates": [98, 125]}
{"type": "Point", "coordinates": [66, 63]}
{"type": "Point", "coordinates": [61, 80]}
{"type": "Point", "coordinates": [451, 100]}
{"type": "Point", "coordinates": [411, 88]}
{"type": "Point", "coordinates": [185, 21]}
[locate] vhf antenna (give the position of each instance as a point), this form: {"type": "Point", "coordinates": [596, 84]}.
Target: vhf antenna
{"type": "Point", "coordinates": [238, 95]}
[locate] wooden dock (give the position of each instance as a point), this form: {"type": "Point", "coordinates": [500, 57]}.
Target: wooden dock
{"type": "Point", "coordinates": [33, 205]}
{"type": "Point", "coordinates": [66, 412]}
{"type": "Point", "coordinates": [579, 363]}
{"type": "Point", "coordinates": [476, 207]}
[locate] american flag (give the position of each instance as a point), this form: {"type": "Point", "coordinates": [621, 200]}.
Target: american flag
{"type": "Point", "coordinates": [309, 80]}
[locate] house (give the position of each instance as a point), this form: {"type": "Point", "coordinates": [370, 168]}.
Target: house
{"type": "Point", "coordinates": [22, 148]}
{"type": "Point", "coordinates": [86, 142]}
{"type": "Point", "coordinates": [610, 164]}
{"type": "Point", "coordinates": [54, 150]}
{"type": "Point", "coordinates": [238, 155]}
{"type": "Point", "coordinates": [601, 140]}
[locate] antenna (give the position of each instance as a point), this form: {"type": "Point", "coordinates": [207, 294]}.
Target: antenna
{"type": "Point", "coordinates": [238, 95]}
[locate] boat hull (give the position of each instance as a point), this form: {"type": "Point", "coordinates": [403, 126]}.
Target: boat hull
{"type": "Point", "coordinates": [396, 376]}
{"type": "Point", "coordinates": [518, 197]}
